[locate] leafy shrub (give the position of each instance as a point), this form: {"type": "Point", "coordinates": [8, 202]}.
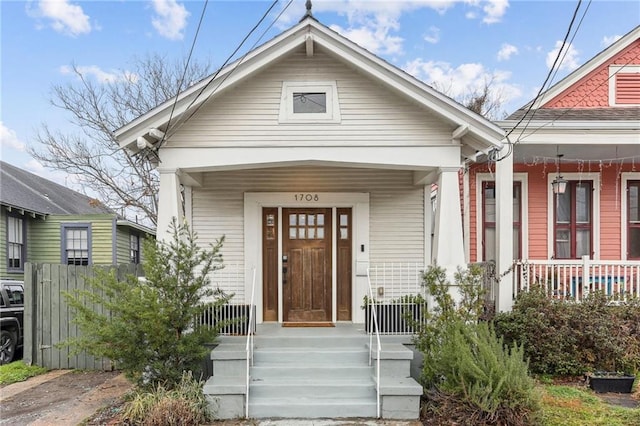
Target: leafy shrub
{"type": "Point", "coordinates": [566, 338]}
{"type": "Point", "coordinates": [146, 325]}
{"type": "Point", "coordinates": [184, 405]}
{"type": "Point", "coordinates": [489, 379]}
{"type": "Point", "coordinates": [433, 327]}
{"type": "Point", "coordinates": [467, 370]}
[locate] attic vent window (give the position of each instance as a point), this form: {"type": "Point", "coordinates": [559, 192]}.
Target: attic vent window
{"type": "Point", "coordinates": [624, 85]}
{"type": "Point", "coordinates": [309, 102]}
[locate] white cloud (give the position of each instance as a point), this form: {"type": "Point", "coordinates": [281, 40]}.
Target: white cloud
{"type": "Point", "coordinates": [64, 17]}
{"type": "Point", "coordinates": [9, 138]}
{"type": "Point", "coordinates": [464, 80]}
{"type": "Point", "coordinates": [569, 59]}
{"type": "Point", "coordinates": [608, 41]}
{"type": "Point", "coordinates": [433, 36]}
{"type": "Point", "coordinates": [506, 51]}
{"type": "Point", "coordinates": [100, 75]}
{"type": "Point", "coordinates": [494, 11]}
{"type": "Point", "coordinates": [170, 19]}
{"type": "Point", "coordinates": [374, 39]}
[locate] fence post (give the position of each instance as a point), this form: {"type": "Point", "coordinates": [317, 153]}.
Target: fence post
{"type": "Point", "coordinates": [585, 276]}
{"type": "Point", "coordinates": [28, 328]}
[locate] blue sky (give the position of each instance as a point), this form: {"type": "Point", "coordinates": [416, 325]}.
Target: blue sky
{"type": "Point", "coordinates": [455, 45]}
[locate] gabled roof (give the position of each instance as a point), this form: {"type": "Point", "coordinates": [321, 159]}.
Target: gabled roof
{"type": "Point", "coordinates": [566, 114]}
{"type": "Point", "coordinates": [24, 191]}
{"type": "Point", "coordinates": [472, 128]}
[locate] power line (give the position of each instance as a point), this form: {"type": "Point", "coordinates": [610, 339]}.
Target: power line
{"type": "Point", "coordinates": [184, 73]}
{"type": "Point", "coordinates": [551, 70]}
{"type": "Point", "coordinates": [215, 75]}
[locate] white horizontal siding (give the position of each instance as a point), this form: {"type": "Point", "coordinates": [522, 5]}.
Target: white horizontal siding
{"type": "Point", "coordinates": [371, 114]}
{"type": "Point", "coordinates": [396, 206]}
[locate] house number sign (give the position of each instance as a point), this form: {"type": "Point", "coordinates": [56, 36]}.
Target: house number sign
{"type": "Point", "coordinates": [306, 197]}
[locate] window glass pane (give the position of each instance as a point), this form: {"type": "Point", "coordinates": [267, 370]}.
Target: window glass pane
{"type": "Point", "coordinates": [311, 220]}
{"type": "Point", "coordinates": [583, 203]}
{"type": "Point", "coordinates": [563, 207]}
{"type": "Point", "coordinates": [344, 233]}
{"type": "Point", "coordinates": [516, 243]}
{"type": "Point", "coordinates": [344, 220]}
{"type": "Point", "coordinates": [301, 233]}
{"type": "Point", "coordinates": [634, 243]}
{"type": "Point", "coordinates": [320, 233]}
{"type": "Point", "coordinates": [516, 203]}
{"type": "Point", "coordinates": [302, 220]}
{"type": "Point", "coordinates": [583, 242]}
{"type": "Point", "coordinates": [312, 233]}
{"type": "Point", "coordinates": [489, 244]}
{"type": "Point", "coordinates": [489, 204]}
{"type": "Point", "coordinates": [563, 244]}
{"type": "Point", "coordinates": [320, 220]}
{"type": "Point", "coordinates": [292, 219]}
{"type": "Point", "coordinates": [309, 103]}
{"type": "Point", "coordinates": [634, 208]}
{"type": "Point", "coordinates": [293, 233]}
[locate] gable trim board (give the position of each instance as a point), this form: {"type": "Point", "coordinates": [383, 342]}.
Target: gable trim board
{"type": "Point", "coordinates": [580, 73]}
{"type": "Point", "coordinates": [481, 133]}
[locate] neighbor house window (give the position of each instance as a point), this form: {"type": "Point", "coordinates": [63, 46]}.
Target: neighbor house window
{"type": "Point", "coordinates": [633, 220]}
{"type": "Point", "coordinates": [76, 242]}
{"type": "Point", "coordinates": [489, 220]}
{"type": "Point", "coordinates": [309, 102]}
{"type": "Point", "coordinates": [573, 221]}
{"type": "Point", "coordinates": [134, 244]}
{"type": "Point", "coordinates": [15, 243]}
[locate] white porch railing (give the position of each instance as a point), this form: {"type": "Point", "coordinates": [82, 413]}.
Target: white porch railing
{"type": "Point", "coordinates": [249, 346]}
{"type": "Point", "coordinates": [575, 279]}
{"type": "Point", "coordinates": [397, 296]}
{"type": "Point", "coordinates": [373, 317]}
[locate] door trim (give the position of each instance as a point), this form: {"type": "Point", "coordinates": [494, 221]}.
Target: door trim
{"type": "Point", "coordinates": [358, 201]}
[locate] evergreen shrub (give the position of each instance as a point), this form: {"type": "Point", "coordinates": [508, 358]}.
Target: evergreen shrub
{"type": "Point", "coordinates": [145, 325]}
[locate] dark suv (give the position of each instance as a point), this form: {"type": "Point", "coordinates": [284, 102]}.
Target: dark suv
{"type": "Point", "coordinates": [12, 317]}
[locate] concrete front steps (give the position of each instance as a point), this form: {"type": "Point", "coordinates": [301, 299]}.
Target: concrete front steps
{"type": "Point", "coordinates": [311, 373]}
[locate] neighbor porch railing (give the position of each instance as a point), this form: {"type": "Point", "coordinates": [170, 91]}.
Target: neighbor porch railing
{"type": "Point", "coordinates": [575, 279]}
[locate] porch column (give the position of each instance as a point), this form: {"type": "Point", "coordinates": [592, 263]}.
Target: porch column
{"type": "Point", "coordinates": [504, 231]}
{"type": "Point", "coordinates": [169, 202]}
{"type": "Point", "coordinates": [448, 247]}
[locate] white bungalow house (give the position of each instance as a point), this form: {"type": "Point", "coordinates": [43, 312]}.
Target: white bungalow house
{"type": "Point", "coordinates": [316, 160]}
{"type": "Point", "coordinates": [313, 153]}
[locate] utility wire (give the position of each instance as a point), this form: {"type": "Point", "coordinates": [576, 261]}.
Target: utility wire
{"type": "Point", "coordinates": [184, 73]}
{"type": "Point", "coordinates": [551, 70]}
{"type": "Point", "coordinates": [215, 75]}
{"type": "Point", "coordinates": [566, 51]}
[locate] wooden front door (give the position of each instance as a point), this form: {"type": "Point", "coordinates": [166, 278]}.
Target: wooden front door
{"type": "Point", "coordinates": [306, 264]}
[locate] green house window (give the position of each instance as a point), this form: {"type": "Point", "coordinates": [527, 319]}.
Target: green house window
{"type": "Point", "coordinates": [76, 244]}
{"type": "Point", "coordinates": [134, 248]}
{"type": "Point", "coordinates": [15, 243]}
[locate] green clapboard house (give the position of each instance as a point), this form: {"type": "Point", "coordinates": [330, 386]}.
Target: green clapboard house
{"type": "Point", "coordinates": [44, 222]}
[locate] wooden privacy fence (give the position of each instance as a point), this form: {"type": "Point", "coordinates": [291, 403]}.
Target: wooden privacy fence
{"type": "Point", "coordinates": [48, 320]}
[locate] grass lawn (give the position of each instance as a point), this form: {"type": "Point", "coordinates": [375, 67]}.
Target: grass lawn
{"type": "Point", "coordinates": [18, 371]}
{"type": "Point", "coordinates": [571, 406]}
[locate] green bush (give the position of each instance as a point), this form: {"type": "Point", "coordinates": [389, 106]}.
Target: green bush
{"type": "Point", "coordinates": [184, 405]}
{"type": "Point", "coordinates": [468, 372]}
{"type": "Point", "coordinates": [146, 326]}
{"type": "Point", "coordinates": [567, 338]}
{"type": "Point", "coordinates": [491, 380]}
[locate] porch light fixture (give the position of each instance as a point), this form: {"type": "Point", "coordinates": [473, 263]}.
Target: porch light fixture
{"type": "Point", "coordinates": [559, 184]}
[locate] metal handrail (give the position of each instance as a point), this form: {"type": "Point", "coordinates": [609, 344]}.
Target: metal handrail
{"type": "Point", "coordinates": [374, 320]}
{"type": "Point", "coordinates": [249, 345]}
